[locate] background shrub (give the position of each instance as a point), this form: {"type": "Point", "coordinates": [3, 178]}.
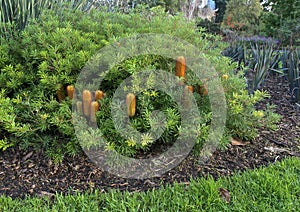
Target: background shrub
{"type": "Point", "coordinates": [243, 16]}
{"type": "Point", "coordinates": [283, 22]}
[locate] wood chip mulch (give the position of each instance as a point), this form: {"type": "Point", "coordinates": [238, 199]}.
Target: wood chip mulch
{"type": "Point", "coordinates": [30, 172]}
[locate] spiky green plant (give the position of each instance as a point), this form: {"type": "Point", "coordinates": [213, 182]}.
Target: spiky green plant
{"type": "Point", "coordinates": [293, 64]}
{"type": "Point", "coordinates": [236, 51]}
{"type": "Point", "coordinates": [16, 13]}
{"type": "Point", "coordinates": [265, 58]}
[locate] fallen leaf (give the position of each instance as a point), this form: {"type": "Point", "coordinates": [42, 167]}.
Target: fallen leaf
{"type": "Point", "coordinates": [27, 156]}
{"type": "Point", "coordinates": [31, 165]}
{"type": "Point", "coordinates": [236, 142]}
{"type": "Point", "coordinates": [224, 194]}
{"type": "Point", "coordinates": [76, 168]}
{"type": "Point", "coordinates": [276, 150]}
{"type": "Point", "coordinates": [46, 194]}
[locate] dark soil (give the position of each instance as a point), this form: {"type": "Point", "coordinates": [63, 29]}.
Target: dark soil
{"type": "Point", "coordinates": [32, 173]}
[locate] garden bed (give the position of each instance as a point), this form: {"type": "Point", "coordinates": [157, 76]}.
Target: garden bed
{"type": "Point", "coordinates": [32, 173]}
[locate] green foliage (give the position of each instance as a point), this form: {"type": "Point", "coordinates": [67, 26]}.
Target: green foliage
{"type": "Point", "coordinates": [221, 5]}
{"type": "Point", "coordinates": [243, 16]}
{"type": "Point", "coordinates": [15, 14]}
{"type": "Point", "coordinates": [265, 59]}
{"type": "Point", "coordinates": [147, 101]}
{"type": "Point", "coordinates": [293, 73]}
{"type": "Point", "coordinates": [236, 51]}
{"type": "Point", "coordinates": [262, 57]}
{"type": "Point", "coordinates": [211, 27]}
{"type": "Point", "coordinates": [46, 58]}
{"type": "Point", "coordinates": [11, 130]}
{"type": "Point", "coordinates": [171, 6]}
{"type": "Point", "coordinates": [243, 119]}
{"type": "Point", "coordinates": [283, 21]}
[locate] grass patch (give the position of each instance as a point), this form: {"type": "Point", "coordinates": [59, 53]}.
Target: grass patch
{"type": "Point", "coordinates": [273, 188]}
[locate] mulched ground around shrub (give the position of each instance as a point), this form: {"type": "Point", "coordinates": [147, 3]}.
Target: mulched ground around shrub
{"type": "Point", "coordinates": [32, 173]}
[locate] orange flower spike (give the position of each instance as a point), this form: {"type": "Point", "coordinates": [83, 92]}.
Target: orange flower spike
{"type": "Point", "coordinates": [86, 102]}
{"type": "Point", "coordinates": [79, 107]}
{"type": "Point", "coordinates": [180, 67]}
{"type": "Point", "coordinates": [99, 95]}
{"type": "Point", "coordinates": [203, 90]}
{"type": "Point", "coordinates": [185, 98]}
{"type": "Point", "coordinates": [70, 91]}
{"type": "Point", "coordinates": [190, 88]}
{"type": "Point", "coordinates": [94, 108]}
{"type": "Point", "coordinates": [131, 104]}
{"type": "Point", "coordinates": [60, 93]}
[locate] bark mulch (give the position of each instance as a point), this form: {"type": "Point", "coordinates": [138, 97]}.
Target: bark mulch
{"type": "Point", "coordinates": [32, 173]}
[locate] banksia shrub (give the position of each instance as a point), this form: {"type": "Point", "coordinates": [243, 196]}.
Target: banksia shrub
{"type": "Point", "coordinates": [60, 93]}
{"type": "Point", "coordinates": [57, 67]}
{"type": "Point", "coordinates": [131, 104]}
{"type": "Point", "coordinates": [70, 91]}
{"type": "Point", "coordinates": [99, 95]}
{"type": "Point", "coordinates": [93, 109]}
{"type": "Point", "coordinates": [180, 67]}
{"type": "Point", "coordinates": [86, 102]}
